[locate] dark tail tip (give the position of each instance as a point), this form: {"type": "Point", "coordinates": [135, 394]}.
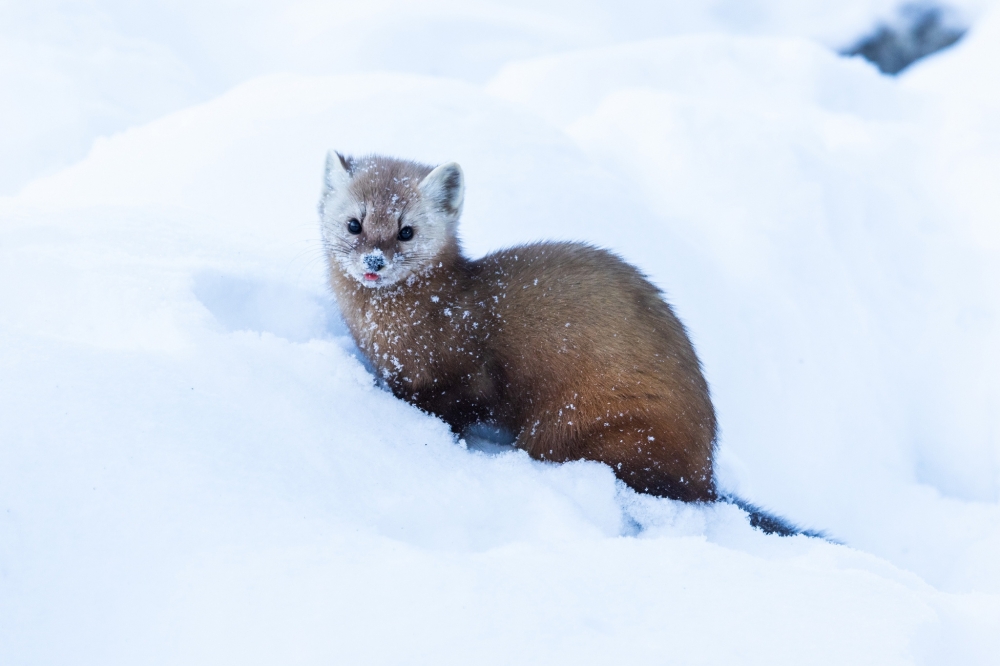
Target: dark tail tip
{"type": "Point", "coordinates": [769, 523]}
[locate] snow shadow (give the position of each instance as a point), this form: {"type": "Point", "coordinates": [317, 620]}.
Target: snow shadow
{"type": "Point", "coordinates": [250, 304]}
{"type": "Point", "coordinates": [488, 439]}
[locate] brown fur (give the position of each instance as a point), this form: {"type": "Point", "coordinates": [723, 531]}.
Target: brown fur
{"type": "Point", "coordinates": [562, 343]}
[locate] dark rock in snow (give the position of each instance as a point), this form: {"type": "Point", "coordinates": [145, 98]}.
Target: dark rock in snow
{"type": "Point", "coordinates": [918, 31]}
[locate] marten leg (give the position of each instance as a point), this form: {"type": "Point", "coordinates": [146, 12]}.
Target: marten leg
{"type": "Point", "coordinates": [652, 460]}
{"type": "Point", "coordinates": [451, 406]}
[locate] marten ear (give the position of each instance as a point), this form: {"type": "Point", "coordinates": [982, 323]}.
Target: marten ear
{"type": "Point", "coordinates": [444, 187]}
{"type": "Point", "coordinates": [338, 172]}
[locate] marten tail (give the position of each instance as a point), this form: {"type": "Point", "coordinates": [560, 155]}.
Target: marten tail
{"type": "Point", "coordinates": [769, 523]}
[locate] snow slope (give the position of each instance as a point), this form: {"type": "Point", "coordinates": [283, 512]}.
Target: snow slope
{"type": "Point", "coordinates": [75, 70]}
{"type": "Point", "coordinates": [195, 467]}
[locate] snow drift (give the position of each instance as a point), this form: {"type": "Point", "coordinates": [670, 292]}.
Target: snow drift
{"type": "Point", "coordinates": [197, 468]}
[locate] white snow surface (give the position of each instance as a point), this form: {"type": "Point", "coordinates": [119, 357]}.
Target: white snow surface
{"type": "Point", "coordinates": [197, 468]}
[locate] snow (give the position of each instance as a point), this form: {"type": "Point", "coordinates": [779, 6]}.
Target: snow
{"type": "Point", "coordinates": [196, 467]}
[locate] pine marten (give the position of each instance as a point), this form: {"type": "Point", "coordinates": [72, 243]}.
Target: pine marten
{"type": "Point", "coordinates": [564, 344]}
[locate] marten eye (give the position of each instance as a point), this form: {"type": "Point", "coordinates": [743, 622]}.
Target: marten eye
{"type": "Point", "coordinates": [406, 233]}
{"type": "Point", "coordinates": [354, 226]}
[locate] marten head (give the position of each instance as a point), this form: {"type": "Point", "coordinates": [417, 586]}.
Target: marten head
{"type": "Point", "coordinates": [386, 220]}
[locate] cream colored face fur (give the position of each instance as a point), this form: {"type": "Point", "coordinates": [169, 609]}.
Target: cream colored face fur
{"type": "Point", "coordinates": [383, 198]}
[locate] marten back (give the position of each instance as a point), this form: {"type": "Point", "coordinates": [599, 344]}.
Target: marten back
{"type": "Point", "coordinates": [597, 366]}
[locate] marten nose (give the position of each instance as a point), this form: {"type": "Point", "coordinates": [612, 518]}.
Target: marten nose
{"type": "Point", "coordinates": [374, 262]}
